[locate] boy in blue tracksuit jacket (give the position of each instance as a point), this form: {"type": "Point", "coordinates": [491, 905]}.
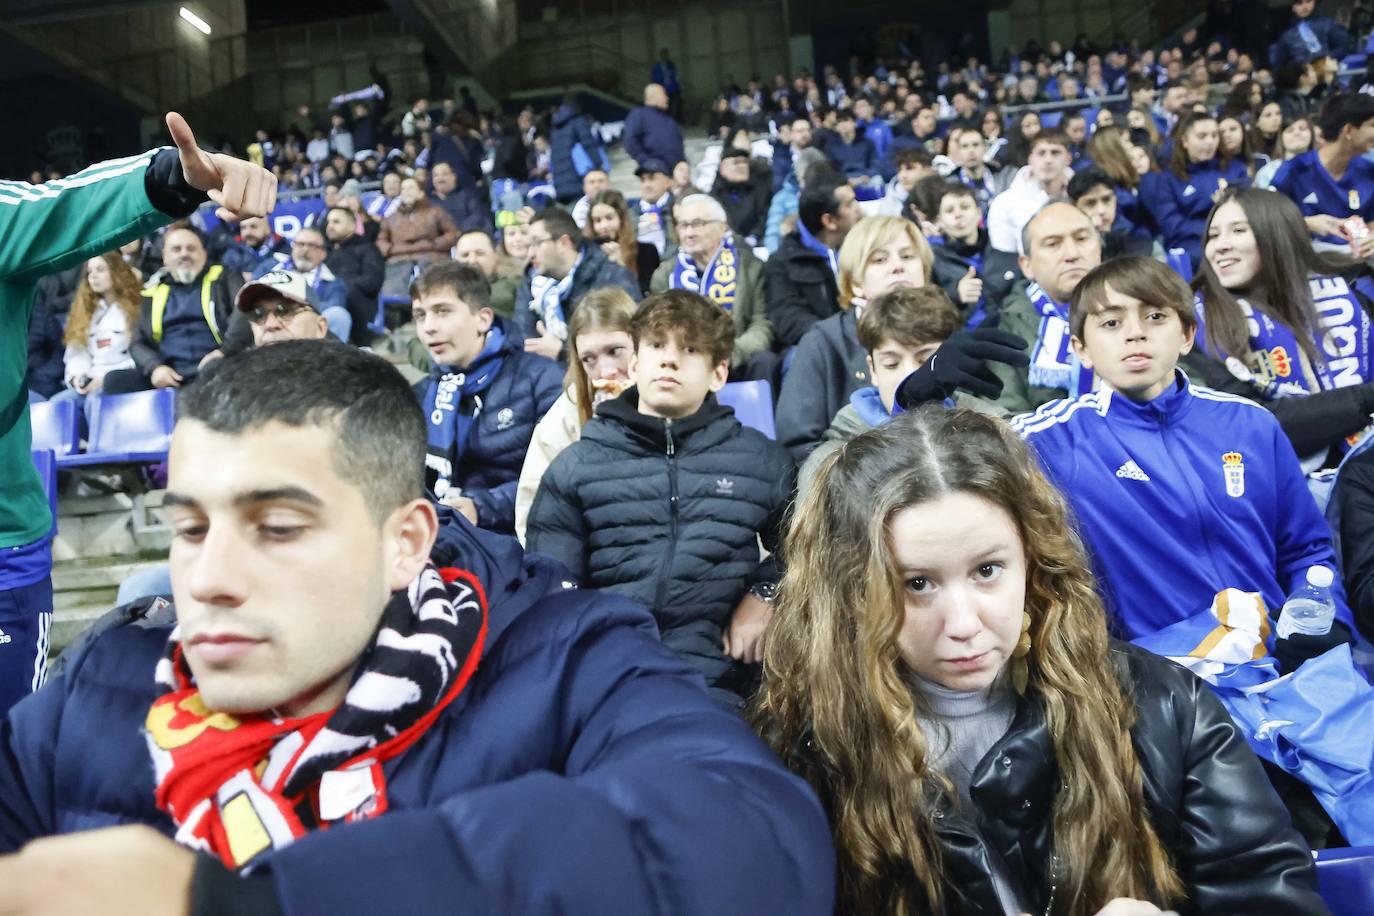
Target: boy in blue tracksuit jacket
{"type": "Point", "coordinates": [1179, 491]}
{"type": "Point", "coordinates": [1336, 182]}
{"type": "Point", "coordinates": [481, 400]}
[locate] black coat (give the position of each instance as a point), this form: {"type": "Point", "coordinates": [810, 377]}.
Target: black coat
{"type": "Point", "coordinates": [1354, 495]}
{"type": "Point", "coordinates": [829, 365]}
{"type": "Point", "coordinates": [667, 514]}
{"type": "Point", "coordinates": [1208, 798]}
{"type": "Point", "coordinates": [800, 290]}
{"type": "Point", "coordinates": [746, 203]}
{"type": "Point", "coordinates": [361, 266]}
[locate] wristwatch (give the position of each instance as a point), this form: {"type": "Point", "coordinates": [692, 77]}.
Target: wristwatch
{"type": "Point", "coordinates": [766, 592]}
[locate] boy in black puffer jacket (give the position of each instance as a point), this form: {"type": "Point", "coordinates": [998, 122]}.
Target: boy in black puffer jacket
{"type": "Point", "coordinates": [483, 397]}
{"type": "Point", "coordinates": [666, 496]}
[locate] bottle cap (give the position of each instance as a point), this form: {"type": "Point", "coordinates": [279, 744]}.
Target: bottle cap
{"type": "Point", "coordinates": [1320, 576]}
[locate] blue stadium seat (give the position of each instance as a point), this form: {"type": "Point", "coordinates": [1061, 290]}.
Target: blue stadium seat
{"type": "Point", "coordinates": [1049, 119]}
{"type": "Point", "coordinates": [378, 323]}
{"type": "Point", "coordinates": [129, 429]}
{"type": "Point", "coordinates": [45, 462]}
{"type": "Point", "coordinates": [56, 427]}
{"type": "Point", "coordinates": [753, 404]}
{"type": "Point", "coordinates": [1345, 879]}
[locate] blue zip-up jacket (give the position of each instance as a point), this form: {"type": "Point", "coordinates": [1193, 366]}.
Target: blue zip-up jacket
{"type": "Point", "coordinates": [1180, 206]}
{"type": "Point", "coordinates": [1307, 182]}
{"type": "Point", "coordinates": [584, 769]}
{"type": "Point", "coordinates": [651, 133]}
{"type": "Point", "coordinates": [1181, 497]}
{"type": "Point", "coordinates": [857, 158]}
{"type": "Point", "coordinates": [571, 130]}
{"type": "Point", "coordinates": [879, 133]}
{"type": "Point", "coordinates": [489, 468]}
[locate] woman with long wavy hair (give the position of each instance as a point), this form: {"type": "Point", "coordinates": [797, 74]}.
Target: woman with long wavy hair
{"type": "Point", "coordinates": [100, 325]}
{"type": "Point", "coordinates": [938, 668]}
{"type": "Point", "coordinates": [614, 230]}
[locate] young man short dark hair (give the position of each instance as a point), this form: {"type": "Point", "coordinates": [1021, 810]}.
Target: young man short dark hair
{"type": "Point", "coordinates": [325, 702]}
{"type": "Point", "coordinates": [1093, 192]}
{"type": "Point", "coordinates": [1332, 184]}
{"type": "Point", "coordinates": [665, 497]}
{"type": "Point", "coordinates": [799, 279]}
{"type": "Point", "coordinates": [483, 396]}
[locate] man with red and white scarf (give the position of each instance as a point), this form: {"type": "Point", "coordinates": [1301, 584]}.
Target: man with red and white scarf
{"type": "Point", "coordinates": [339, 718]}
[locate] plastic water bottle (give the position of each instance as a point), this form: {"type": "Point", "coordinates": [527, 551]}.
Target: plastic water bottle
{"type": "Point", "coordinates": [1309, 610]}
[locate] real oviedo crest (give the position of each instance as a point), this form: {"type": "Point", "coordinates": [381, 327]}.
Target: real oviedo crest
{"type": "Point", "coordinates": [1233, 468]}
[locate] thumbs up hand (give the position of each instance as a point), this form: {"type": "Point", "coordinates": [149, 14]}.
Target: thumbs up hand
{"type": "Point", "coordinates": [970, 288]}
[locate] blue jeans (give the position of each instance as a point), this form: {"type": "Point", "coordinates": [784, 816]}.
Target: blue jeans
{"type": "Point", "coordinates": [25, 629]}
{"type": "Point", "coordinates": [155, 581]}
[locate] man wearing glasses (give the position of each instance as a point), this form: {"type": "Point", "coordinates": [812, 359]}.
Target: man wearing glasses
{"type": "Point", "coordinates": [563, 269]}
{"type": "Point", "coordinates": [308, 252]}
{"type": "Point", "coordinates": [281, 306]}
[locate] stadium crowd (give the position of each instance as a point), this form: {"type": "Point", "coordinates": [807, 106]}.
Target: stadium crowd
{"type": "Point", "coordinates": [1067, 367]}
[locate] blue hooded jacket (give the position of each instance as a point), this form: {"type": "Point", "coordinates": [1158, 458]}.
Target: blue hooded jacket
{"type": "Point", "coordinates": [1181, 497]}
{"type": "Point", "coordinates": [567, 162]}
{"type": "Point", "coordinates": [518, 398]}
{"type": "Point", "coordinates": [584, 769]}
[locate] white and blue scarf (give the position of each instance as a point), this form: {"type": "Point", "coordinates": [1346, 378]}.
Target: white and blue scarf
{"type": "Point", "coordinates": [719, 282]}
{"type": "Point", "coordinates": [453, 402]}
{"type": "Point", "coordinates": [1053, 363]}
{"type": "Point", "coordinates": [652, 228]}
{"type": "Point", "coordinates": [546, 300]}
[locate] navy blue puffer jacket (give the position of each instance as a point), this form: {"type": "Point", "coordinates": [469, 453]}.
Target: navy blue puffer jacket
{"type": "Point", "coordinates": [582, 770]}
{"type": "Point", "coordinates": [667, 513]}
{"type": "Point", "coordinates": [489, 467]}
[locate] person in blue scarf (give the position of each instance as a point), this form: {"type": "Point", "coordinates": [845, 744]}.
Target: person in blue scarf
{"type": "Point", "coordinates": [483, 397]}
{"type": "Point", "coordinates": [1292, 323]}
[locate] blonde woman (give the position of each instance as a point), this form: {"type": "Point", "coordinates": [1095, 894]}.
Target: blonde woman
{"type": "Point", "coordinates": [599, 352]}
{"type": "Point", "coordinates": [880, 253]}
{"type": "Point", "coordinates": [938, 668]}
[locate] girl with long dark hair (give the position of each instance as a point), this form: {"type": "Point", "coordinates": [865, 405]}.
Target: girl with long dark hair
{"type": "Point", "coordinates": [1284, 317]}
{"type": "Point", "coordinates": [1198, 173]}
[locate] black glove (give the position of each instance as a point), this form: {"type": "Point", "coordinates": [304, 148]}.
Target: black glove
{"type": "Point", "coordinates": [1298, 648]}
{"type": "Point", "coordinates": [962, 362]}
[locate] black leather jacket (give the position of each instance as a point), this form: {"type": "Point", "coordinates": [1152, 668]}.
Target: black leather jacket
{"type": "Point", "coordinates": [1230, 838]}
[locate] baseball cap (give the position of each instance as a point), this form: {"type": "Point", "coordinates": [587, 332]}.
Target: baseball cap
{"type": "Point", "coordinates": [650, 166]}
{"type": "Point", "coordinates": [280, 284]}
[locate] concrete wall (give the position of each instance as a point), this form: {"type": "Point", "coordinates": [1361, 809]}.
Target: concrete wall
{"type": "Point", "coordinates": [150, 57]}
{"type": "Point", "coordinates": [618, 43]}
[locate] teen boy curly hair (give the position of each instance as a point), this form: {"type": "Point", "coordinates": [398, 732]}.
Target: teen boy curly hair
{"type": "Point", "coordinates": [666, 495]}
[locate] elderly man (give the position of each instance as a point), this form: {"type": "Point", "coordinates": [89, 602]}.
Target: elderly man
{"type": "Point", "coordinates": [281, 306]}
{"type": "Point", "coordinates": [184, 320]}
{"type": "Point", "coordinates": [653, 209]}
{"type": "Point", "coordinates": [463, 205]}
{"type": "Point", "coordinates": [651, 133]}
{"type": "Point", "coordinates": [416, 234]}
{"type": "Point", "coordinates": [710, 261]}
{"type": "Point", "coordinates": [307, 258]}
{"type": "Point", "coordinates": [745, 192]}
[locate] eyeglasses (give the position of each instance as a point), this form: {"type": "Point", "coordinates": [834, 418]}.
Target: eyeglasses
{"type": "Point", "coordinates": [535, 243]}
{"type": "Point", "coordinates": [692, 225]}
{"type": "Point", "coordinates": [284, 311]}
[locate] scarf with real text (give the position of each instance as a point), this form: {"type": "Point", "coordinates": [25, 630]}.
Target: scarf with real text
{"type": "Point", "coordinates": [453, 402]}
{"type": "Point", "coordinates": [719, 282]}
{"type": "Point", "coordinates": [1053, 364]}
{"type": "Point", "coordinates": [546, 300]}
{"type": "Point", "coordinates": [240, 787]}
